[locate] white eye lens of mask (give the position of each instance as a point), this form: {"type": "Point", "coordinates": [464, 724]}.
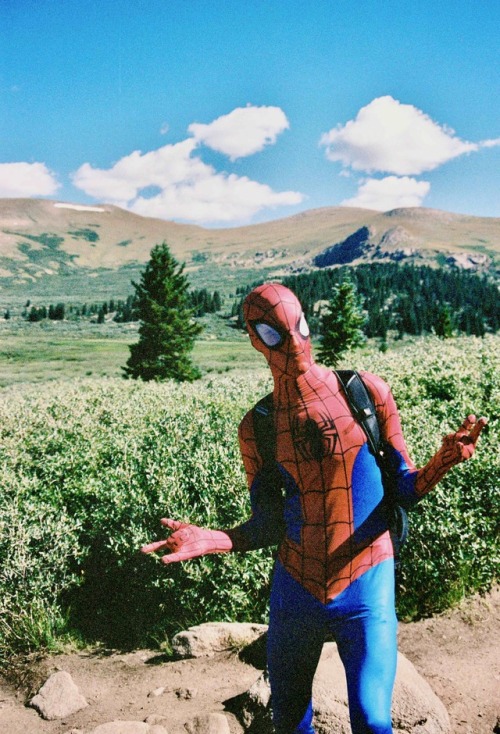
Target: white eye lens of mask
{"type": "Point", "coordinates": [269, 336]}
{"type": "Point", "coordinates": [303, 326]}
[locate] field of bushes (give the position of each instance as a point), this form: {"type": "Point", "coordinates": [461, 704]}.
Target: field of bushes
{"type": "Point", "coordinates": [90, 465]}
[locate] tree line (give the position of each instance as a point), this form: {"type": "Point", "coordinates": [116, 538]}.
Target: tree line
{"type": "Point", "coordinates": [405, 299]}
{"type": "Point", "coordinates": [342, 305]}
{"type": "Point", "coordinates": [200, 301]}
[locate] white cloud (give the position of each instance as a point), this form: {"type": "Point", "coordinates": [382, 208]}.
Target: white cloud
{"type": "Point", "coordinates": [164, 128]}
{"type": "Point", "coordinates": [164, 167]}
{"type": "Point", "coordinates": [26, 179]}
{"type": "Point", "coordinates": [243, 132]}
{"type": "Point", "coordinates": [389, 193]}
{"type": "Point", "coordinates": [494, 143]}
{"type": "Point", "coordinates": [216, 198]}
{"type": "Point", "coordinates": [189, 189]}
{"type": "Point", "coordinates": [398, 138]}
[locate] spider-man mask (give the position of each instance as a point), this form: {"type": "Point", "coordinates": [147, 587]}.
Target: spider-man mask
{"type": "Point", "coordinates": [278, 329]}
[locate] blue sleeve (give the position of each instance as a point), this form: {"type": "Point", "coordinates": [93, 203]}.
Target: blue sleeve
{"type": "Point", "coordinates": [400, 477]}
{"type": "Point", "coordinates": [266, 526]}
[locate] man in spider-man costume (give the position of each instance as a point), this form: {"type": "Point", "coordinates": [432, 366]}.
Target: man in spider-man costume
{"type": "Point", "coordinates": [335, 567]}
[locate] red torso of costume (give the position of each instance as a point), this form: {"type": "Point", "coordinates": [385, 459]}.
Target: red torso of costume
{"type": "Point", "coordinates": [335, 523]}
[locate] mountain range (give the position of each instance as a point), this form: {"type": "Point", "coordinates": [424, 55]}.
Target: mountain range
{"type": "Point", "coordinates": [42, 240]}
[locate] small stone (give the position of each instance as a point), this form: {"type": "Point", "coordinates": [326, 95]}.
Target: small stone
{"type": "Point", "coordinates": [58, 697]}
{"type": "Point", "coordinates": [157, 692]}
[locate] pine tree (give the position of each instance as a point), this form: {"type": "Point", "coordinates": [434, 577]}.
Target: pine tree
{"type": "Point", "coordinates": [342, 323]}
{"type": "Point", "coordinates": [33, 314]}
{"type": "Point", "coordinates": [167, 330]}
{"type": "Point", "coordinates": [444, 323]}
{"type": "Point", "coordinates": [56, 313]}
{"type": "Point", "coordinates": [217, 301]}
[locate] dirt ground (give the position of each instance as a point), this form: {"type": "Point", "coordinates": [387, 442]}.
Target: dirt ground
{"type": "Point", "coordinates": [457, 652]}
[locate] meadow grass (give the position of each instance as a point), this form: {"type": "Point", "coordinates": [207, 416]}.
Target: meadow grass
{"type": "Point", "coordinates": [90, 464]}
{"type": "Point", "coordinates": [65, 351]}
{"type": "Point", "coordinates": [50, 350]}
{"type": "Point", "coordinates": [34, 358]}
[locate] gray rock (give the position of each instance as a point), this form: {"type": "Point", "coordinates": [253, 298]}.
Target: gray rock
{"type": "Point", "coordinates": [208, 724]}
{"type": "Point", "coordinates": [416, 708]}
{"type": "Point", "coordinates": [58, 697]}
{"type": "Point", "coordinates": [129, 727]}
{"type": "Point", "coordinates": [157, 692]}
{"type": "Point", "coordinates": [213, 637]}
{"type": "Point", "coordinates": [252, 708]}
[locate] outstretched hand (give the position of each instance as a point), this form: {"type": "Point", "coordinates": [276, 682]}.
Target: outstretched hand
{"type": "Point", "coordinates": [456, 447]}
{"type": "Point", "coordinates": [460, 446]}
{"type": "Point", "coordinates": [188, 541]}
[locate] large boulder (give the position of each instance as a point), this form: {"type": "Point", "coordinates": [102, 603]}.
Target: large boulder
{"type": "Point", "coordinates": [213, 637]}
{"type": "Point", "coordinates": [58, 697]}
{"type": "Point", "coordinates": [416, 708]}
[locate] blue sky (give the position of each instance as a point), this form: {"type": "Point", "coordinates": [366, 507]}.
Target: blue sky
{"type": "Point", "coordinates": [231, 112]}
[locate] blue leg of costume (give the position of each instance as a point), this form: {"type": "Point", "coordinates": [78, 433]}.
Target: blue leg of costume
{"type": "Point", "coordinates": [363, 621]}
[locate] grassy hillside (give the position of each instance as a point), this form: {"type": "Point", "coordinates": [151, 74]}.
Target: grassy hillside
{"type": "Point", "coordinates": [47, 245]}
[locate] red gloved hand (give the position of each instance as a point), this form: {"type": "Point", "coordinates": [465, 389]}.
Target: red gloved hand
{"type": "Point", "coordinates": [189, 541]}
{"type": "Point", "coordinates": [460, 446]}
{"type": "Point", "coordinates": [456, 447]}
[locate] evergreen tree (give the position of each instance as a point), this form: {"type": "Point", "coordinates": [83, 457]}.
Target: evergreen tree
{"type": "Point", "coordinates": [342, 324]}
{"type": "Point", "coordinates": [216, 301]}
{"type": "Point", "coordinates": [33, 314]}
{"type": "Point", "coordinates": [167, 330]}
{"type": "Point", "coordinates": [444, 323]}
{"type": "Point", "coordinates": [56, 313]}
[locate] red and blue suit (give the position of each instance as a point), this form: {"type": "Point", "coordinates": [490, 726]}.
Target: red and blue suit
{"type": "Point", "coordinates": [335, 568]}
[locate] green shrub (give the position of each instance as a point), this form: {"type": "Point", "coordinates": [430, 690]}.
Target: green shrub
{"type": "Point", "coordinates": [88, 469]}
{"type": "Point", "coordinates": [453, 548]}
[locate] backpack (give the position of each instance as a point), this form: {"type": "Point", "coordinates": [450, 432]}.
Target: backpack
{"type": "Point", "coordinates": [363, 410]}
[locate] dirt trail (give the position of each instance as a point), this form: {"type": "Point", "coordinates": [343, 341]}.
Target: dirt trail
{"type": "Point", "coordinates": [458, 653]}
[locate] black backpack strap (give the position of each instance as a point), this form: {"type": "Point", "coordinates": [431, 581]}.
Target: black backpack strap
{"type": "Point", "coordinates": [264, 430]}
{"type": "Point", "coordinates": [269, 495]}
{"type": "Point", "coordinates": [362, 406]}
{"type": "Point", "coordinates": [363, 410]}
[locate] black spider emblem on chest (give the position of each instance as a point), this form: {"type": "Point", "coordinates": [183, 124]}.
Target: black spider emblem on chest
{"type": "Point", "coordinates": [314, 439]}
